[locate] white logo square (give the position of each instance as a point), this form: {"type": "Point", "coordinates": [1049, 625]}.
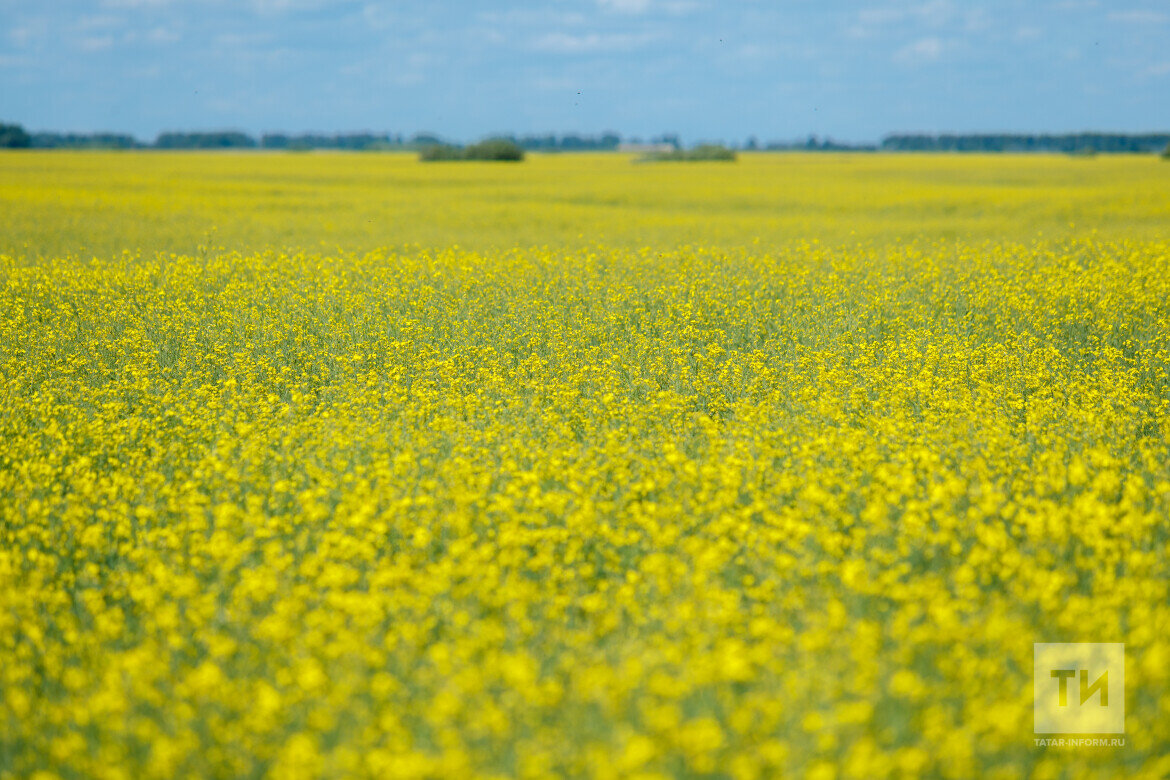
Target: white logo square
{"type": "Point", "coordinates": [1079, 688]}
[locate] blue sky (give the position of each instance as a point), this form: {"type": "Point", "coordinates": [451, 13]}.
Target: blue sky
{"type": "Point", "coordinates": [705, 69]}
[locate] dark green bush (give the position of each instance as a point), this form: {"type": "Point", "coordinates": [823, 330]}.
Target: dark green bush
{"type": "Point", "coordinates": [439, 152]}
{"type": "Point", "coordinates": [703, 152]}
{"type": "Point", "coordinates": [14, 137]}
{"type": "Point", "coordinates": [497, 149]}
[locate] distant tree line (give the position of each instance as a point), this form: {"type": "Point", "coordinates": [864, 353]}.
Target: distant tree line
{"type": "Point", "coordinates": [810, 144]}
{"type": "Point", "coordinates": [700, 153]}
{"type": "Point", "coordinates": [366, 141]}
{"type": "Point", "coordinates": [1070, 143]}
{"type": "Point", "coordinates": [566, 143]}
{"type": "Point", "coordinates": [227, 139]}
{"type": "Point", "coordinates": [85, 141]}
{"type": "Point", "coordinates": [351, 141]}
{"type": "Point", "coordinates": [491, 149]}
{"type": "Point", "coordinates": [15, 136]}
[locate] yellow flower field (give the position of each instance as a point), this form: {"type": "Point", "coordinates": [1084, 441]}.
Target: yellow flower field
{"type": "Point", "coordinates": [348, 465]}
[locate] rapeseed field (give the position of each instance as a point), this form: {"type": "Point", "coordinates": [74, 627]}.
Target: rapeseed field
{"type": "Point", "coordinates": [345, 465]}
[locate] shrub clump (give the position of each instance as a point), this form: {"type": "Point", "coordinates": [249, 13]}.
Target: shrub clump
{"type": "Point", "coordinates": [703, 152]}
{"type": "Point", "coordinates": [14, 137]}
{"type": "Point", "coordinates": [494, 149]}
{"type": "Point", "coordinates": [440, 152]}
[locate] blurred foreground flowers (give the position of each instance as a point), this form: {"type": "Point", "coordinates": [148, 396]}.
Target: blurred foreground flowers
{"type": "Point", "coordinates": [600, 510]}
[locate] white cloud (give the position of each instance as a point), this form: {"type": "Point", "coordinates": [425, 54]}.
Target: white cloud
{"type": "Point", "coordinates": [567, 43]}
{"type": "Point", "coordinates": [922, 50]}
{"type": "Point", "coordinates": [679, 6]}
{"type": "Point", "coordinates": [286, 6]}
{"type": "Point", "coordinates": [152, 71]}
{"type": "Point", "coordinates": [534, 17]}
{"type": "Point", "coordinates": [625, 6]}
{"type": "Point", "coordinates": [237, 40]}
{"type": "Point", "coordinates": [878, 17]}
{"type": "Point", "coordinates": [555, 83]}
{"type": "Point", "coordinates": [491, 36]}
{"type": "Point", "coordinates": [99, 22]}
{"type": "Point", "coordinates": [935, 13]}
{"type": "Point", "coordinates": [637, 7]}
{"type": "Point", "coordinates": [929, 15]}
{"type": "Point", "coordinates": [751, 52]}
{"type": "Point", "coordinates": [161, 35]}
{"type": "Point", "coordinates": [25, 34]}
{"type": "Point", "coordinates": [95, 43]}
{"type": "Point", "coordinates": [135, 3]}
{"type": "Point", "coordinates": [1139, 17]}
{"type": "Point", "coordinates": [408, 79]}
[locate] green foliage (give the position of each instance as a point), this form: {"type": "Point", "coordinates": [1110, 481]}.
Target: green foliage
{"type": "Point", "coordinates": [493, 149]}
{"type": "Point", "coordinates": [1068, 143]}
{"type": "Point", "coordinates": [440, 153]}
{"type": "Point", "coordinates": [357, 142]}
{"type": "Point", "coordinates": [1166, 152]}
{"type": "Point", "coordinates": [14, 137]}
{"type": "Point", "coordinates": [101, 140]}
{"type": "Point", "coordinates": [701, 153]}
{"type": "Point", "coordinates": [219, 139]}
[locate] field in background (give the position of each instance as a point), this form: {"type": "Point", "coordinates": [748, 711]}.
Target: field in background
{"type": "Point", "coordinates": [104, 203]}
{"type": "Point", "coordinates": [349, 465]}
